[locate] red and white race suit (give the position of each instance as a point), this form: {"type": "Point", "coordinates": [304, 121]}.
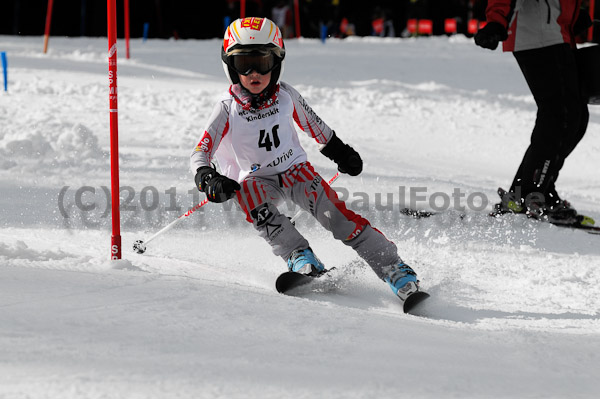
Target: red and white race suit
{"type": "Point", "coordinates": [260, 150]}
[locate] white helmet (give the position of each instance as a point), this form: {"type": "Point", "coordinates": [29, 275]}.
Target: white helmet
{"type": "Point", "coordinates": [253, 44]}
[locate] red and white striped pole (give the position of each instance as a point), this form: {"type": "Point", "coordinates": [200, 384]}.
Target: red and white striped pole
{"type": "Point", "coordinates": [48, 23]}
{"type": "Point", "coordinates": [115, 247]}
{"type": "Point", "coordinates": [127, 28]}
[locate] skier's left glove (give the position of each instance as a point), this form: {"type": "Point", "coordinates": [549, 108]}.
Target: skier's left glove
{"type": "Point", "coordinates": [218, 188]}
{"type": "Point", "coordinates": [343, 155]}
{"type": "Point", "coordinates": [490, 35]}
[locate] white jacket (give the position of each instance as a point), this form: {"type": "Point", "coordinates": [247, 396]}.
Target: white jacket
{"type": "Point", "coordinates": [258, 142]}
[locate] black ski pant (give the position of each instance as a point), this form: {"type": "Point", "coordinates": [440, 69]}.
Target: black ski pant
{"type": "Point", "coordinates": [562, 117]}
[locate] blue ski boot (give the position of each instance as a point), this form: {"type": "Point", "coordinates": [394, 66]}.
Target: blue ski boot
{"type": "Point", "coordinates": [304, 261]}
{"type": "Point", "coordinates": [402, 279]}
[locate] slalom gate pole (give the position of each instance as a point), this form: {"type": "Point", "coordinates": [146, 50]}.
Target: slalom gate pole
{"type": "Point", "coordinates": [146, 30]}
{"type": "Point", "coordinates": [48, 23]}
{"type": "Point", "coordinates": [83, 17]}
{"type": "Point", "coordinates": [4, 69]}
{"type": "Point", "coordinates": [323, 32]}
{"type": "Point", "coordinates": [139, 246]}
{"type": "Point", "coordinates": [115, 248]}
{"type": "Point", "coordinates": [590, 37]}
{"type": "Point", "coordinates": [127, 28]}
{"type": "Point", "coordinates": [297, 17]}
{"type": "Point", "coordinates": [242, 8]}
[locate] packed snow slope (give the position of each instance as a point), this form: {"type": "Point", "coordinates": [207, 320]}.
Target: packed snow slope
{"type": "Point", "coordinates": [440, 123]}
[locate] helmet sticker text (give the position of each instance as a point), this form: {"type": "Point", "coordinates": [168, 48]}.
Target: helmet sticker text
{"type": "Point", "coordinates": [252, 23]}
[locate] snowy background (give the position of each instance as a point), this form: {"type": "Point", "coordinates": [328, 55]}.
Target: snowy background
{"type": "Point", "coordinates": [515, 307]}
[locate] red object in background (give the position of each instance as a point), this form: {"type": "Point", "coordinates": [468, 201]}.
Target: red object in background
{"type": "Point", "coordinates": [48, 23]}
{"type": "Point", "coordinates": [591, 30]}
{"type": "Point", "coordinates": [127, 28]}
{"type": "Point", "coordinates": [450, 26]}
{"type": "Point", "coordinates": [115, 248]}
{"type": "Point", "coordinates": [242, 8]}
{"type": "Point", "coordinates": [297, 17]}
{"type": "Point", "coordinates": [344, 26]}
{"type": "Point", "coordinates": [377, 26]}
{"type": "Point", "coordinates": [482, 24]}
{"type": "Point", "coordinates": [411, 26]}
{"type": "Point", "coordinates": [425, 27]}
{"type": "Point", "coordinates": [473, 26]}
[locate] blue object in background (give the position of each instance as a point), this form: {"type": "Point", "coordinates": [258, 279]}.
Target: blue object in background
{"type": "Point", "coordinates": [146, 29]}
{"type": "Point", "coordinates": [323, 32]}
{"type": "Point", "coordinates": [5, 70]}
{"type": "Point", "coordinates": [226, 22]}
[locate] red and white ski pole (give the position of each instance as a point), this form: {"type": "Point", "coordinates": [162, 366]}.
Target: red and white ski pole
{"type": "Point", "coordinates": [139, 246]}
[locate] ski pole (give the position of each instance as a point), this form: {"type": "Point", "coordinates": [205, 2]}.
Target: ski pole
{"type": "Point", "coordinates": [139, 246]}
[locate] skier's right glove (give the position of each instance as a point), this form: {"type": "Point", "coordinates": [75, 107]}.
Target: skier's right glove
{"type": "Point", "coordinates": [218, 188]}
{"type": "Point", "coordinates": [583, 22]}
{"type": "Point", "coordinates": [490, 35]}
{"type": "Point", "coordinates": [343, 155]}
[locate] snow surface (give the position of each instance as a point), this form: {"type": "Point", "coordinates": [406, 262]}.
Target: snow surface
{"type": "Point", "coordinates": [515, 307]}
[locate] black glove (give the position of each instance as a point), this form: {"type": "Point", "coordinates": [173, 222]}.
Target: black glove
{"type": "Point", "coordinates": [490, 35]}
{"type": "Point", "coordinates": [583, 22]}
{"type": "Point", "coordinates": [346, 157]}
{"type": "Point", "coordinates": [218, 188]}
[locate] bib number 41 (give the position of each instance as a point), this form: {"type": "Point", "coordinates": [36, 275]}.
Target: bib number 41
{"type": "Point", "coordinates": [268, 140]}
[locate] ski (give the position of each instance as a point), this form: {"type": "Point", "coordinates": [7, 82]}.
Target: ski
{"type": "Point", "coordinates": [423, 214]}
{"type": "Point", "coordinates": [417, 213]}
{"type": "Point", "coordinates": [289, 280]}
{"type": "Point", "coordinates": [584, 223]}
{"type": "Point", "coordinates": [413, 300]}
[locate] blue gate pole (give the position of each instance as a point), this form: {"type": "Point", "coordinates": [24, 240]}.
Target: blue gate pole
{"type": "Point", "coordinates": [5, 70]}
{"type": "Point", "coordinates": [146, 29]}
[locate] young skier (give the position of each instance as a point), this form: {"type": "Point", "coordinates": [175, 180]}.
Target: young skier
{"type": "Point", "coordinates": [252, 136]}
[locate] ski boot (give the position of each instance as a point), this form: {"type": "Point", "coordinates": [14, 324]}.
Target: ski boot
{"type": "Point", "coordinates": [304, 261]}
{"type": "Point", "coordinates": [562, 212]}
{"type": "Point", "coordinates": [402, 279]}
{"type": "Point", "coordinates": [554, 210]}
{"type": "Point", "coordinates": [509, 203]}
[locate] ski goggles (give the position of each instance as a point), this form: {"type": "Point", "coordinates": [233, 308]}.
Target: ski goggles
{"type": "Point", "coordinates": [245, 63]}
